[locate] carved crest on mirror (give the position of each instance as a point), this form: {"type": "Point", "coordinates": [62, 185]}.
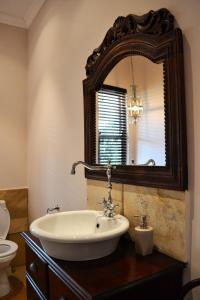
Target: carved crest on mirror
{"type": "Point", "coordinates": [154, 23]}
{"type": "Point", "coordinates": [131, 38]}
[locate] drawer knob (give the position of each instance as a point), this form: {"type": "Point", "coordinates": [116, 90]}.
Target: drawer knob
{"type": "Point", "coordinates": [62, 298]}
{"type": "Point", "coordinates": [33, 267]}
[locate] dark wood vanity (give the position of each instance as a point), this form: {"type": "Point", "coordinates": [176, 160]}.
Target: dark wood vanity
{"type": "Point", "coordinates": [122, 275]}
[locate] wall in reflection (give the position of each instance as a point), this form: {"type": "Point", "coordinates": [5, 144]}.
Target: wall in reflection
{"type": "Point", "coordinates": [146, 138]}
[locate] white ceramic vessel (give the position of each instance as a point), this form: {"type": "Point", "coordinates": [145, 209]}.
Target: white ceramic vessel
{"type": "Point", "coordinates": [79, 235]}
{"type": "Point", "coordinates": [8, 249]}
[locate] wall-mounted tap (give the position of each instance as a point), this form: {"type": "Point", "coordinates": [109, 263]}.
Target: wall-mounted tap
{"type": "Point", "coordinates": [53, 209]}
{"type": "Point", "coordinates": [109, 207]}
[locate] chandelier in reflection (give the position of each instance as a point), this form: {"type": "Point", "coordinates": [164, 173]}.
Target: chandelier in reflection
{"type": "Point", "coordinates": [134, 103]}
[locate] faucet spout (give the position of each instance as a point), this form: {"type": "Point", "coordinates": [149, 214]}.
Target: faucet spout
{"type": "Point", "coordinates": [108, 204]}
{"type": "Point", "coordinates": [87, 166]}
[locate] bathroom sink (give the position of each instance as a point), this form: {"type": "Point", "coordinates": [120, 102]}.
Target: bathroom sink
{"type": "Point", "coordinates": [79, 235]}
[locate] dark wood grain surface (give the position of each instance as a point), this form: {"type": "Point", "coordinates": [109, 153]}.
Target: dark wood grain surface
{"type": "Point", "coordinates": [113, 274]}
{"type": "Point", "coordinates": [155, 37]}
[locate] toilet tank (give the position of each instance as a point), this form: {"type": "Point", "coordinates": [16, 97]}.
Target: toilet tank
{"type": "Point", "coordinates": [4, 220]}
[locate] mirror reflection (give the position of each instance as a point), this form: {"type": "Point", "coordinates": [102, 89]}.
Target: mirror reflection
{"type": "Point", "coordinates": [130, 123]}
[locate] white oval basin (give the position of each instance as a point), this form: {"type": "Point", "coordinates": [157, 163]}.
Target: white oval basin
{"type": "Point", "coordinates": [79, 235]}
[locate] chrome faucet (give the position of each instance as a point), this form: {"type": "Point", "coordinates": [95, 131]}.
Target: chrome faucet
{"type": "Point", "coordinates": [87, 166]}
{"type": "Point", "coordinates": [150, 162]}
{"type": "Point", "coordinates": [109, 207]}
{"type": "Point", "coordinates": [53, 209]}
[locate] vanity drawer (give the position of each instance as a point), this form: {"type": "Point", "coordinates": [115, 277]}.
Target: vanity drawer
{"type": "Point", "coordinates": [58, 290]}
{"type": "Point", "coordinates": [31, 292]}
{"type": "Point", "coordinates": [37, 268]}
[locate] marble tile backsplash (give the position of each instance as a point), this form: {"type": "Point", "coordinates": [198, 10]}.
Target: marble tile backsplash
{"type": "Point", "coordinates": [166, 210]}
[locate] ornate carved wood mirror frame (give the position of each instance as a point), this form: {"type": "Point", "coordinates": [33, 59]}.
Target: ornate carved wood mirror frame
{"type": "Point", "coordinates": [153, 36]}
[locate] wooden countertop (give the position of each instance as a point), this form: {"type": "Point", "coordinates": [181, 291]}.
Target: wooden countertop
{"type": "Point", "coordinates": [120, 270]}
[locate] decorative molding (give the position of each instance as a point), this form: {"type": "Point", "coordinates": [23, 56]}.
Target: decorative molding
{"type": "Point", "coordinates": [154, 23]}
{"type": "Point", "coordinates": [22, 21]}
{"type": "Point", "coordinates": [32, 12]}
{"type": "Point", "coordinates": [12, 20]}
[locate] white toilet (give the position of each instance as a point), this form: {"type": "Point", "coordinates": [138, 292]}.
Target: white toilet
{"type": "Point", "coordinates": [8, 249]}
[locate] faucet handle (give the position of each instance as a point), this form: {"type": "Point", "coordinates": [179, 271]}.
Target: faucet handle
{"type": "Point", "coordinates": [109, 207]}
{"type": "Point", "coordinates": [113, 208]}
{"type": "Point", "coordinates": [116, 205]}
{"type": "Point", "coordinates": [109, 210]}
{"type": "Point", "coordinates": [104, 202]}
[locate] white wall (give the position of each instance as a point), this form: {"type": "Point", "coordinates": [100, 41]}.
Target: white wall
{"type": "Point", "coordinates": [60, 40]}
{"type": "Point", "coordinates": [150, 128]}
{"type": "Point", "coordinates": [13, 84]}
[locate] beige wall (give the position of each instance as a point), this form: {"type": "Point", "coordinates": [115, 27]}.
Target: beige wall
{"type": "Point", "coordinates": [60, 40]}
{"type": "Point", "coordinates": [13, 84]}
{"type": "Point", "coordinates": [55, 114]}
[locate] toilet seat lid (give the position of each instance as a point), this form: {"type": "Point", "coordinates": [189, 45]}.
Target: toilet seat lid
{"type": "Point", "coordinates": [12, 248]}
{"type": "Point", "coordinates": [4, 220]}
